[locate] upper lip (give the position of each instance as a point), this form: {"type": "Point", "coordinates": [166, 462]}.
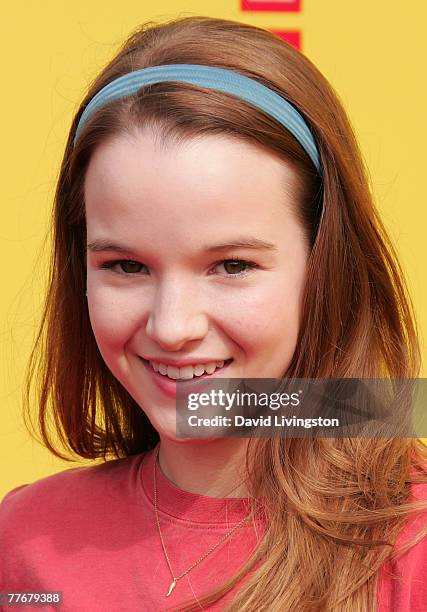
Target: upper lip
{"type": "Point", "coordinates": [181, 363]}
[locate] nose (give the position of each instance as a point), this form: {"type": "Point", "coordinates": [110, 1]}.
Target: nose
{"type": "Point", "coordinates": [176, 317]}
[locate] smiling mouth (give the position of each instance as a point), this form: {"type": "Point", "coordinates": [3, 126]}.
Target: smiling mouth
{"type": "Point", "coordinates": [194, 377]}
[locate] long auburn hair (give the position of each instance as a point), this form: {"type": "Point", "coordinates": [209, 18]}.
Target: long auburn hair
{"type": "Point", "coordinates": [335, 507]}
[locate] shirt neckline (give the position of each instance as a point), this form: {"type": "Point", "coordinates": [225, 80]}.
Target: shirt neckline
{"type": "Point", "coordinates": [187, 506]}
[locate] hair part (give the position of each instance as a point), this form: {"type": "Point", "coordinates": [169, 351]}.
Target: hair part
{"type": "Point", "coordinates": [334, 507]}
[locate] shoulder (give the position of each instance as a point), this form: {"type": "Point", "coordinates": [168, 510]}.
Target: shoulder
{"type": "Point", "coordinates": [416, 526]}
{"type": "Point", "coordinates": [53, 527]}
{"type": "Point", "coordinates": [72, 492]}
{"type": "Point", "coordinates": [403, 580]}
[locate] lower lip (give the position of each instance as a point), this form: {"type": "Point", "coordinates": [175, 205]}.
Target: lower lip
{"type": "Point", "coordinates": [168, 385]}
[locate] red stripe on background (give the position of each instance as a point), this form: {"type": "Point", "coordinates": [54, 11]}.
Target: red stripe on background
{"type": "Point", "coordinates": [258, 5]}
{"type": "Point", "coordinates": [292, 37]}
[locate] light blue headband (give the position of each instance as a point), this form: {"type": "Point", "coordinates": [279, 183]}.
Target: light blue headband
{"type": "Point", "coordinates": [220, 79]}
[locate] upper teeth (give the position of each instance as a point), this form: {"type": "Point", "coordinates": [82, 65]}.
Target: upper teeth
{"type": "Point", "coordinates": [186, 372]}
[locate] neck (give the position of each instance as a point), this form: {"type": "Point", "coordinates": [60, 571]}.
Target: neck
{"type": "Point", "coordinates": [214, 468]}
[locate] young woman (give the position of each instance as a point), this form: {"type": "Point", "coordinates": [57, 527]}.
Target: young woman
{"type": "Point", "coordinates": [213, 218]}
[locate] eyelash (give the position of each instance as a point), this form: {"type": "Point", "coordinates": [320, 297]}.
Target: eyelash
{"type": "Point", "coordinates": [109, 265]}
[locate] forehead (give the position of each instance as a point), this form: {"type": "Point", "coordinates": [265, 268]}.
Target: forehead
{"type": "Point", "coordinates": [136, 184]}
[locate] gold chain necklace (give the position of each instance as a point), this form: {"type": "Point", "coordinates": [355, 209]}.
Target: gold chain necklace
{"type": "Point", "coordinates": [176, 578]}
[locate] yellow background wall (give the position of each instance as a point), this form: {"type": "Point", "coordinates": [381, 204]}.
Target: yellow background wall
{"type": "Point", "coordinates": [372, 52]}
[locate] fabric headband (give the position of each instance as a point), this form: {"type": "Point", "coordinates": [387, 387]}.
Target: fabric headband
{"type": "Point", "coordinates": [220, 79]}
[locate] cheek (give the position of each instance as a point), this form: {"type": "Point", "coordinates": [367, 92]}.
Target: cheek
{"type": "Point", "coordinates": [112, 324]}
{"type": "Point", "coordinates": [264, 317]}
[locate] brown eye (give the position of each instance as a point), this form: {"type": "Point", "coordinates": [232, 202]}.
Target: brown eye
{"type": "Point", "coordinates": [130, 267]}
{"type": "Point", "coordinates": [236, 267]}
{"type": "Point", "coordinates": [233, 267]}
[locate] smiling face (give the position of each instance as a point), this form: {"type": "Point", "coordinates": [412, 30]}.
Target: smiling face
{"type": "Point", "coordinates": [162, 279]}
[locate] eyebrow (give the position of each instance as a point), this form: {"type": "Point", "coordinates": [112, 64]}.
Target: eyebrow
{"type": "Point", "coordinates": [98, 246]}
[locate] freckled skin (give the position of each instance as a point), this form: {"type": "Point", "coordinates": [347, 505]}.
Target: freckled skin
{"type": "Point", "coordinates": [168, 204]}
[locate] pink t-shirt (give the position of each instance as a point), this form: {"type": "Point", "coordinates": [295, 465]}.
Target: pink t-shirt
{"type": "Point", "coordinates": [90, 532]}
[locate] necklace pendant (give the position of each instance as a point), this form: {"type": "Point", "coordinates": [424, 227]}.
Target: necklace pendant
{"type": "Point", "coordinates": [171, 588]}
